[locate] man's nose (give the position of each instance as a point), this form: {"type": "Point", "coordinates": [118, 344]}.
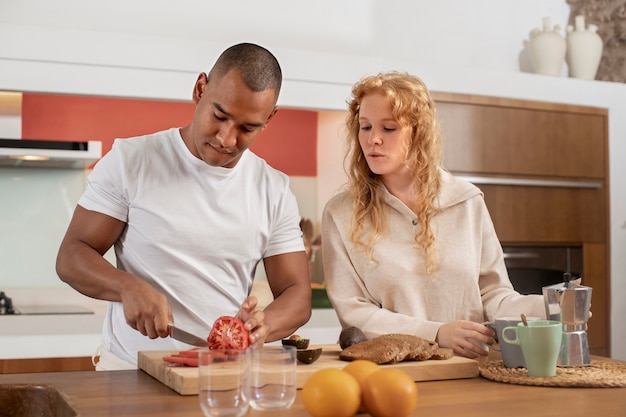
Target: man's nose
{"type": "Point", "coordinates": [227, 135]}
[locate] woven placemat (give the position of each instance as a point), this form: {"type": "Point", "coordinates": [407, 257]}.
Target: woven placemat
{"type": "Point", "coordinates": [600, 373]}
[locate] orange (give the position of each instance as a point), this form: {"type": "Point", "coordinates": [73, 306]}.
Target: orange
{"type": "Point", "coordinates": [359, 369]}
{"type": "Point", "coordinates": [389, 392]}
{"type": "Point", "coordinates": [331, 392]}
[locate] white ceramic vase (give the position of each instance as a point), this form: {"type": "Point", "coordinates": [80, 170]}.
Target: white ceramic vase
{"type": "Point", "coordinates": [547, 49]}
{"type": "Point", "coordinates": [584, 50]}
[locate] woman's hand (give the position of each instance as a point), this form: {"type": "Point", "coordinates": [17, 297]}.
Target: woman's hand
{"type": "Point", "coordinates": [458, 336]}
{"type": "Point", "coordinates": [254, 321]}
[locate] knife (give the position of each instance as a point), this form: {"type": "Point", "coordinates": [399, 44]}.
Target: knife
{"type": "Point", "coordinates": [185, 337]}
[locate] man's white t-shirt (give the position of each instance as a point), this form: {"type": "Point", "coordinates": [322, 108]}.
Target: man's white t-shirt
{"type": "Point", "coordinates": [194, 232]}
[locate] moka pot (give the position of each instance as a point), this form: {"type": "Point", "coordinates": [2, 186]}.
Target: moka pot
{"type": "Point", "coordinates": [569, 303]}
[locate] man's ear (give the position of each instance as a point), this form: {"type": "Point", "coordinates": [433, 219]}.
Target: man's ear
{"type": "Point", "coordinates": [199, 87]}
{"type": "Point", "coordinates": [270, 116]}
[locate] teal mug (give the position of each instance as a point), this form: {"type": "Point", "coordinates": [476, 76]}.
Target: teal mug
{"type": "Point", "coordinates": [540, 341]}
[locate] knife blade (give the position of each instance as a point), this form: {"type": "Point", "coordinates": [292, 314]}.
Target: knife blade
{"type": "Point", "coordinates": [186, 337]}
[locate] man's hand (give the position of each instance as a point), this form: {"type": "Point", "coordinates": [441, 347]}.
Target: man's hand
{"type": "Point", "coordinates": [145, 309]}
{"type": "Point", "coordinates": [254, 321]}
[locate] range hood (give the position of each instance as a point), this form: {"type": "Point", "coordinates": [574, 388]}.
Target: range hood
{"type": "Point", "coordinates": [48, 153]}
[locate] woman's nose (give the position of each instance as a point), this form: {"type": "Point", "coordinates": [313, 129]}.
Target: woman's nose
{"type": "Point", "coordinates": [375, 139]}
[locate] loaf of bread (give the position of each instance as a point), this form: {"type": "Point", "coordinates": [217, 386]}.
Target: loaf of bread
{"type": "Point", "coordinates": [442, 354]}
{"type": "Point", "coordinates": [394, 348]}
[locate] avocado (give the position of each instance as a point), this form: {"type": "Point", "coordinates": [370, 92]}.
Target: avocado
{"type": "Point", "coordinates": [298, 341]}
{"type": "Point", "coordinates": [308, 356]}
{"type": "Point", "coordinates": [351, 336]}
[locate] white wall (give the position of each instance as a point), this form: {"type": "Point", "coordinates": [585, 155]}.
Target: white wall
{"type": "Point", "coordinates": [154, 49]}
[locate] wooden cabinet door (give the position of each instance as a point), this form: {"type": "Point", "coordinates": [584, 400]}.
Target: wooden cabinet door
{"type": "Point", "coordinates": [486, 139]}
{"type": "Point", "coordinates": [547, 214]}
{"type": "Point", "coordinates": [17, 366]}
{"type": "Point", "coordinates": [595, 275]}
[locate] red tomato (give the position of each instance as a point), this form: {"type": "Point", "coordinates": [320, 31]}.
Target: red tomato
{"type": "Point", "coordinates": [182, 360]}
{"type": "Point", "coordinates": [228, 333]}
{"type": "Point", "coordinates": [191, 353]}
{"type": "Point", "coordinates": [189, 357]}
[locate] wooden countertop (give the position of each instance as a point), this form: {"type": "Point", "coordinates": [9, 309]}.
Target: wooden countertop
{"type": "Point", "coordinates": [134, 393]}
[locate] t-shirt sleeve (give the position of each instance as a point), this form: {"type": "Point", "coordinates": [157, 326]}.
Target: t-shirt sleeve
{"type": "Point", "coordinates": [286, 235]}
{"type": "Point", "coordinates": [105, 192]}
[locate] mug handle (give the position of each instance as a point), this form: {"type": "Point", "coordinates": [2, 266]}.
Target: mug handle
{"type": "Point", "coordinates": [492, 326]}
{"type": "Point", "coordinates": [506, 338]}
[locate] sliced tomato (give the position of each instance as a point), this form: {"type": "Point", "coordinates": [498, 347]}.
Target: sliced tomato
{"type": "Point", "coordinates": [228, 333]}
{"type": "Point", "coordinates": [192, 353]}
{"type": "Point", "coordinates": [184, 357]}
{"type": "Point", "coordinates": [182, 360]}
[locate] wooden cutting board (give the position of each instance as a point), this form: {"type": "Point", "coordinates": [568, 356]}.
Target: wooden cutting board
{"type": "Point", "coordinates": [184, 380]}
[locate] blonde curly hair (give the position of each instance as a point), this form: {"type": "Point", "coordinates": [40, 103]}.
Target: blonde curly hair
{"type": "Point", "coordinates": [412, 106]}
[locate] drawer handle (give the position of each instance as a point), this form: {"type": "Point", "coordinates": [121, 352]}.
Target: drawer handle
{"type": "Point", "coordinates": [530, 182]}
{"type": "Point", "coordinates": [520, 255]}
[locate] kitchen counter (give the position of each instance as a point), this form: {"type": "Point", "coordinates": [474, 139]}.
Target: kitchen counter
{"type": "Point", "coordinates": [74, 335]}
{"type": "Point", "coordinates": [134, 393]}
{"type": "Point", "coordinates": [78, 335]}
{"type": "Point", "coordinates": [55, 323]}
{"type": "Point", "coordinates": [49, 335]}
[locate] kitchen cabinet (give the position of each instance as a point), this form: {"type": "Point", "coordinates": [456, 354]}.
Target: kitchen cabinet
{"type": "Point", "coordinates": [547, 214]}
{"type": "Point", "coordinates": [514, 137]}
{"type": "Point", "coordinates": [543, 169]}
{"type": "Point", "coordinates": [16, 366]}
{"type": "Point", "coordinates": [52, 343]}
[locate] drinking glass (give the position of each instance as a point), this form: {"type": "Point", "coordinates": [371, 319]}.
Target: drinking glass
{"type": "Point", "coordinates": [272, 377]}
{"type": "Point", "coordinates": [223, 384]}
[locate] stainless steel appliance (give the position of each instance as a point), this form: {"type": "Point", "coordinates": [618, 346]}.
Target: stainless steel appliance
{"type": "Point", "coordinates": [6, 304]}
{"type": "Point", "coordinates": [532, 267]}
{"type": "Point", "coordinates": [7, 308]}
{"type": "Point", "coordinates": [48, 153]}
{"type": "Point", "coordinates": [569, 303]}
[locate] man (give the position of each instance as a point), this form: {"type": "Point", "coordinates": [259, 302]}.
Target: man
{"type": "Point", "coordinates": [191, 212]}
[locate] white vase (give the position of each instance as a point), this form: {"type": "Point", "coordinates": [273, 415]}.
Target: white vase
{"type": "Point", "coordinates": [547, 49]}
{"type": "Point", "coordinates": [584, 50]}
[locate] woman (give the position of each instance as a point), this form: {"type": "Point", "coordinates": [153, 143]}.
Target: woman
{"type": "Point", "coordinates": [409, 248]}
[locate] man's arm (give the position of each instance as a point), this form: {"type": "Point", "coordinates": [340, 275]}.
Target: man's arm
{"type": "Point", "coordinates": [288, 277]}
{"type": "Point", "coordinates": [81, 264]}
{"type": "Point", "coordinates": [80, 260]}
